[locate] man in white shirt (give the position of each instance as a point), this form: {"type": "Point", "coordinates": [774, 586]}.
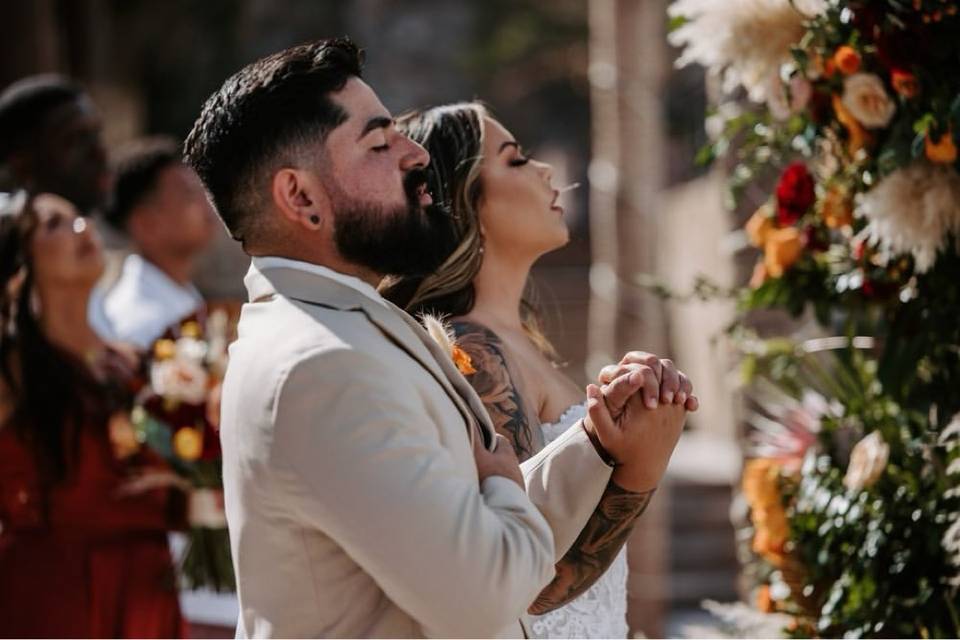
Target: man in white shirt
{"type": "Point", "coordinates": [365, 490]}
{"type": "Point", "coordinates": [161, 205]}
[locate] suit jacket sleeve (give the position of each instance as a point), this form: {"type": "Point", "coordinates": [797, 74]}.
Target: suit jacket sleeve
{"type": "Point", "coordinates": [372, 474]}
{"type": "Point", "coordinates": [566, 480]}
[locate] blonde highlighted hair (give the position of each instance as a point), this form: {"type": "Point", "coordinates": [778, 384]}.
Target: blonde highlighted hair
{"type": "Point", "coordinates": [454, 135]}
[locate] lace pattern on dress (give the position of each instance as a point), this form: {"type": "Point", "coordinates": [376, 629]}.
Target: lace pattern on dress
{"type": "Point", "coordinates": [601, 611]}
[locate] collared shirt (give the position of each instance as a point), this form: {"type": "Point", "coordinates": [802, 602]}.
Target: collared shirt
{"type": "Point", "coordinates": [145, 302]}
{"type": "Point", "coordinates": [262, 263]}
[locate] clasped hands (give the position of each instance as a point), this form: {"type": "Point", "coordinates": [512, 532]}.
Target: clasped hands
{"type": "Point", "coordinates": [635, 417]}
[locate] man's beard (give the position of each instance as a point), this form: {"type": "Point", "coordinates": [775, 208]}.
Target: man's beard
{"type": "Point", "coordinates": [407, 240]}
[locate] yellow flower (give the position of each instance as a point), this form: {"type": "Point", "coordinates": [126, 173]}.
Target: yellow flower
{"type": "Point", "coordinates": [782, 249]}
{"type": "Point", "coordinates": [943, 151]}
{"type": "Point", "coordinates": [835, 208]}
{"type": "Point", "coordinates": [164, 349]}
{"type": "Point", "coordinates": [188, 443]}
{"type": "Point", "coordinates": [760, 225]}
{"type": "Point", "coordinates": [463, 361]}
{"type": "Point", "coordinates": [190, 329]}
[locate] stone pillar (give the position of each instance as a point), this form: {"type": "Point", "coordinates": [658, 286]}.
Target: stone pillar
{"type": "Point", "coordinates": [627, 60]}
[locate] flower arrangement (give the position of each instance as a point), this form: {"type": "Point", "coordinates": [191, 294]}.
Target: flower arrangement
{"type": "Point", "coordinates": [844, 115]}
{"type": "Point", "coordinates": [177, 414]}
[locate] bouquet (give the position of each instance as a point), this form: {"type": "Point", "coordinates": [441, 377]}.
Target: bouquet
{"type": "Point", "coordinates": [177, 414]}
{"type": "Point", "coordinates": [843, 117]}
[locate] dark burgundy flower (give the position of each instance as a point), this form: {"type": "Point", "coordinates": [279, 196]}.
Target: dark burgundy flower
{"type": "Point", "coordinates": [795, 194]}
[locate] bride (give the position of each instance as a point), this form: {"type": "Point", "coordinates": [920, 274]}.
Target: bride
{"type": "Point", "coordinates": [504, 217]}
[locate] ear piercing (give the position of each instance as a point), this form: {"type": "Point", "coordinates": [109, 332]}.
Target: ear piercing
{"type": "Point", "coordinates": [315, 219]}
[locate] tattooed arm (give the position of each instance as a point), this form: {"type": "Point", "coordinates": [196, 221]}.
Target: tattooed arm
{"type": "Point", "coordinates": [595, 548]}
{"type": "Point", "coordinates": [611, 522]}
{"type": "Point", "coordinates": [495, 386]}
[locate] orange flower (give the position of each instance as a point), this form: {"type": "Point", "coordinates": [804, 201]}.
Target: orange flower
{"type": "Point", "coordinates": [835, 208]}
{"type": "Point", "coordinates": [188, 443]}
{"type": "Point", "coordinates": [123, 437]}
{"type": "Point", "coordinates": [463, 361]}
{"type": "Point", "coordinates": [764, 601]}
{"type": "Point", "coordinates": [760, 225]}
{"type": "Point", "coordinates": [761, 482]}
{"type": "Point", "coordinates": [857, 134]}
{"type": "Point", "coordinates": [847, 60]}
{"type": "Point", "coordinates": [905, 83]}
{"type": "Point", "coordinates": [782, 249]}
{"type": "Point", "coordinates": [944, 151]}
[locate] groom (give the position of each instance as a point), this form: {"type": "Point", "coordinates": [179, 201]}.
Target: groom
{"type": "Point", "coordinates": [366, 491]}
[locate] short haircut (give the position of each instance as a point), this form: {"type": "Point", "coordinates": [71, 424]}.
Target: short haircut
{"type": "Point", "coordinates": [263, 117]}
{"type": "Point", "coordinates": [138, 166]}
{"type": "Point", "coordinates": [25, 105]}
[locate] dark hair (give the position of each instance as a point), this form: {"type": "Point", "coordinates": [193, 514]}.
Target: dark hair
{"type": "Point", "coordinates": [53, 392]}
{"type": "Point", "coordinates": [453, 135]}
{"type": "Point", "coordinates": [267, 113]}
{"type": "Point", "coordinates": [25, 105]}
{"type": "Point", "coordinates": [138, 165]}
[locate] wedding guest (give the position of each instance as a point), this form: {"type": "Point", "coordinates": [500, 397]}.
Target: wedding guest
{"type": "Point", "coordinates": [506, 215]}
{"type": "Point", "coordinates": [160, 204]}
{"type": "Point", "coordinates": [84, 510]}
{"type": "Point", "coordinates": [51, 141]}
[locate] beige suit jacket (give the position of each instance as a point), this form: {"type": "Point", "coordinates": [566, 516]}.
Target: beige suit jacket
{"type": "Point", "coordinates": [352, 495]}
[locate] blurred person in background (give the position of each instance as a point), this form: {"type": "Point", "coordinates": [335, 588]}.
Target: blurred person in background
{"type": "Point", "coordinates": [51, 142]}
{"type": "Point", "coordinates": [160, 204]}
{"type": "Point", "coordinates": [506, 215]}
{"type": "Point", "coordinates": [84, 508]}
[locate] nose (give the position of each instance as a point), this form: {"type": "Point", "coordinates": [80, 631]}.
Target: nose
{"type": "Point", "coordinates": [414, 155]}
{"type": "Point", "coordinates": [546, 170]}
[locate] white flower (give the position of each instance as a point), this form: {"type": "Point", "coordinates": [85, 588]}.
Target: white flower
{"type": "Point", "coordinates": [744, 41]}
{"type": "Point", "coordinates": [781, 105]}
{"type": "Point", "coordinates": [868, 101]}
{"type": "Point", "coordinates": [179, 379]}
{"type": "Point", "coordinates": [913, 210]}
{"type": "Point", "coordinates": [191, 349]}
{"type": "Point", "coordinates": [867, 462]}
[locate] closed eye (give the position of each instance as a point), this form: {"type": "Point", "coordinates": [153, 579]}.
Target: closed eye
{"type": "Point", "coordinates": [381, 148]}
{"type": "Point", "coordinates": [519, 162]}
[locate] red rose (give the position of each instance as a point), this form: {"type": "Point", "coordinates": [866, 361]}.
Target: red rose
{"type": "Point", "coordinates": [795, 193]}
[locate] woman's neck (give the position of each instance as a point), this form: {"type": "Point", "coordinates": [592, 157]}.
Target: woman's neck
{"type": "Point", "coordinates": [498, 288]}
{"type": "Point", "coordinates": [63, 318]}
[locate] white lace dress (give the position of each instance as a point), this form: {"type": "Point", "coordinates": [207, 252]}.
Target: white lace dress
{"type": "Point", "coordinates": [601, 611]}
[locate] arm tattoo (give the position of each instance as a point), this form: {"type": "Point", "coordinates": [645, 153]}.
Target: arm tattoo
{"type": "Point", "coordinates": [496, 388]}
{"type": "Point", "coordinates": [595, 549]}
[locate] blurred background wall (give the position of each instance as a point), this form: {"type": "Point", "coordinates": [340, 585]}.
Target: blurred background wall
{"type": "Point", "coordinates": [589, 87]}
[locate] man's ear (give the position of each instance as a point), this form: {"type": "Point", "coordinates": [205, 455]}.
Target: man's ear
{"type": "Point", "coordinates": [300, 198]}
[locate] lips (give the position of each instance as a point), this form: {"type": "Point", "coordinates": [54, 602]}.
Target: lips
{"type": "Point", "coordinates": [423, 195]}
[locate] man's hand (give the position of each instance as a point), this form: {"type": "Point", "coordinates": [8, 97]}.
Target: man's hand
{"type": "Point", "coordinates": [640, 440]}
{"type": "Point", "coordinates": [502, 461]}
{"type": "Point", "coordinates": [672, 385]}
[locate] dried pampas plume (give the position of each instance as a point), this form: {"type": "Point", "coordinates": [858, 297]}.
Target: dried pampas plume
{"type": "Point", "coordinates": [913, 210]}
{"type": "Point", "coordinates": [440, 331]}
{"type": "Point", "coordinates": [743, 41]}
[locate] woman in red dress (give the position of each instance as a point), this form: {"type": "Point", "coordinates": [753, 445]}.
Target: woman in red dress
{"type": "Point", "coordinates": [83, 510]}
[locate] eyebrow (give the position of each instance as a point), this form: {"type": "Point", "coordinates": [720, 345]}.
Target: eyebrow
{"type": "Point", "coordinates": [509, 143]}
{"type": "Point", "coordinates": [379, 122]}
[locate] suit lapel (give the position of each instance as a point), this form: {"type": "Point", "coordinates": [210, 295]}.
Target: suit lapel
{"type": "Point", "coordinates": [395, 324]}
